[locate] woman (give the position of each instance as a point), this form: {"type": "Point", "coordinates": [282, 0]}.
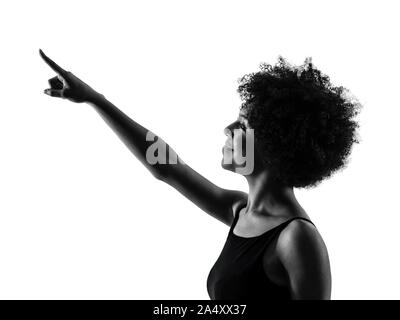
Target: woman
{"type": "Point", "coordinates": [301, 131]}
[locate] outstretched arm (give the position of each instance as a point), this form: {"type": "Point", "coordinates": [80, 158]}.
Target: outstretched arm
{"type": "Point", "coordinates": [218, 202]}
{"type": "Point", "coordinates": [212, 199]}
{"type": "Point", "coordinates": [136, 137]}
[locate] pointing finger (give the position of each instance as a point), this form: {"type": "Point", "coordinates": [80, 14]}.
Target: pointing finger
{"type": "Point", "coordinates": [52, 64]}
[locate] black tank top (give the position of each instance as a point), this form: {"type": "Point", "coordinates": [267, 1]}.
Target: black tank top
{"type": "Point", "coordinates": [238, 272]}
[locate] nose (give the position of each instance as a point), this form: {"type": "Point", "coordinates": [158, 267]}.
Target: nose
{"type": "Point", "coordinates": [228, 131]}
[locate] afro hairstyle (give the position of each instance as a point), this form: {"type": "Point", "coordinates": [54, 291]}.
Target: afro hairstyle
{"type": "Point", "coordinates": [304, 127]}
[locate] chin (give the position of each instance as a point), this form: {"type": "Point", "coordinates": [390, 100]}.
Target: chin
{"type": "Point", "coordinates": [227, 166]}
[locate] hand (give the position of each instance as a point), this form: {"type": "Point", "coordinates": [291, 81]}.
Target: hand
{"type": "Point", "coordinates": [66, 85]}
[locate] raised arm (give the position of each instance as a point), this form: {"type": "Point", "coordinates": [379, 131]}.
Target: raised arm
{"type": "Point", "coordinates": [218, 202]}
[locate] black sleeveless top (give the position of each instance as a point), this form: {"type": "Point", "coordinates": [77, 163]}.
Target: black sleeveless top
{"type": "Point", "coordinates": [238, 272]}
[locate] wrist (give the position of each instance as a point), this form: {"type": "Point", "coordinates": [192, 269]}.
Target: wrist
{"type": "Point", "coordinates": [95, 98]}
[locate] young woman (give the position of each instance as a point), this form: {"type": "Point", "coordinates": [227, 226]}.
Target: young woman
{"type": "Point", "coordinates": [302, 131]}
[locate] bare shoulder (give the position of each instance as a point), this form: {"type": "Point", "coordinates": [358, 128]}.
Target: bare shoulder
{"type": "Point", "coordinates": [300, 237]}
{"type": "Point", "coordinates": [302, 251]}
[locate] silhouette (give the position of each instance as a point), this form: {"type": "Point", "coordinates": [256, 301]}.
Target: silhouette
{"type": "Point", "coordinates": [303, 132]}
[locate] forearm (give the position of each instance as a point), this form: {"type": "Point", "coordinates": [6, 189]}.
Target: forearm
{"type": "Point", "coordinates": [132, 134]}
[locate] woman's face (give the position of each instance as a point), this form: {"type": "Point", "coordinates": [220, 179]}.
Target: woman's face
{"type": "Point", "coordinates": [238, 151]}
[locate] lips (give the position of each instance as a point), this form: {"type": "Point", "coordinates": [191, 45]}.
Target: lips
{"type": "Point", "coordinates": [226, 148]}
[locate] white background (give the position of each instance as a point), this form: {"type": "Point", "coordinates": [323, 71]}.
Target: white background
{"type": "Point", "coordinates": [81, 218]}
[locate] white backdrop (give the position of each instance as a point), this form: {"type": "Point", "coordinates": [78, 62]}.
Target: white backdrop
{"type": "Point", "coordinates": [81, 218]}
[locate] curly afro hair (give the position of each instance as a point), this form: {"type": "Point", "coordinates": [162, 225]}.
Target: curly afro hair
{"type": "Point", "coordinates": [304, 126]}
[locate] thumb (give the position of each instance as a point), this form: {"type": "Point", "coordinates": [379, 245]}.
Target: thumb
{"type": "Point", "coordinates": [54, 93]}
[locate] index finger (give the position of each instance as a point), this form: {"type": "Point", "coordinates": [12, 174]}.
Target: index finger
{"type": "Point", "coordinates": [52, 64]}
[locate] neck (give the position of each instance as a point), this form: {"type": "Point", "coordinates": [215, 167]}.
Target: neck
{"type": "Point", "coordinates": [268, 196]}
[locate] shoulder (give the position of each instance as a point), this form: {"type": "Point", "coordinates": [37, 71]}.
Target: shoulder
{"type": "Point", "coordinates": [302, 252]}
{"type": "Point", "coordinates": [300, 242]}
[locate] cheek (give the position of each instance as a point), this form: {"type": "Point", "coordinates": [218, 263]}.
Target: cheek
{"type": "Point", "coordinates": [239, 143]}
{"type": "Point", "coordinates": [235, 142]}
